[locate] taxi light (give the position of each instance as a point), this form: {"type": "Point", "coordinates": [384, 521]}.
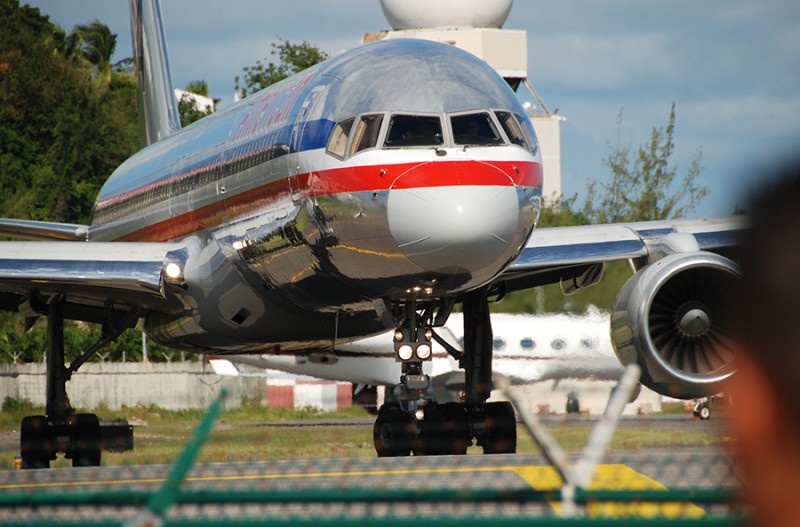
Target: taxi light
{"type": "Point", "coordinates": [405, 352]}
{"type": "Point", "coordinates": [419, 415]}
{"type": "Point", "coordinates": [398, 335]}
{"type": "Point", "coordinates": [424, 351]}
{"type": "Point", "coordinates": [428, 334]}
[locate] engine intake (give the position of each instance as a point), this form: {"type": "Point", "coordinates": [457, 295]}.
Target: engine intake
{"type": "Point", "coordinates": [668, 319]}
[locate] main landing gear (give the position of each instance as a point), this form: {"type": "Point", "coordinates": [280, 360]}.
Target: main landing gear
{"type": "Point", "coordinates": [412, 421]}
{"type": "Point", "coordinates": [77, 436]}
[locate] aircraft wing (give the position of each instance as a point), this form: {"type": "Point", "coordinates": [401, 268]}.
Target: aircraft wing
{"type": "Point", "coordinates": [91, 275]}
{"type": "Point", "coordinates": [42, 230]}
{"type": "Point", "coordinates": [577, 253]}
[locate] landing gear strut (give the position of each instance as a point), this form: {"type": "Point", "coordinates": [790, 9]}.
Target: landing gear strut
{"type": "Point", "coordinates": [411, 421]}
{"type": "Point", "coordinates": [62, 430]}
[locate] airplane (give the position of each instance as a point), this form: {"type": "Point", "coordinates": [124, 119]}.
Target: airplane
{"type": "Point", "coordinates": [373, 191]}
{"type": "Point", "coordinates": [526, 349]}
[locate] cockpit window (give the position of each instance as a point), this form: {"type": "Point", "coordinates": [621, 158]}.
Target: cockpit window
{"type": "Point", "coordinates": [366, 134]}
{"type": "Point", "coordinates": [475, 129]}
{"type": "Point", "coordinates": [512, 129]}
{"type": "Point", "coordinates": [414, 130]}
{"type": "Point", "coordinates": [519, 130]}
{"type": "Point", "coordinates": [530, 134]}
{"type": "Point", "coordinates": [337, 144]}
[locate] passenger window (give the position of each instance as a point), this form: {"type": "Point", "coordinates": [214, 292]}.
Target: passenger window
{"type": "Point", "coordinates": [512, 129]}
{"type": "Point", "coordinates": [475, 129]}
{"type": "Point", "coordinates": [414, 130]}
{"type": "Point", "coordinates": [337, 144]}
{"type": "Point", "coordinates": [366, 134]}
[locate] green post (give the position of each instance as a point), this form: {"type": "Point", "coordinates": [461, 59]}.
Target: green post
{"type": "Point", "coordinates": [163, 499]}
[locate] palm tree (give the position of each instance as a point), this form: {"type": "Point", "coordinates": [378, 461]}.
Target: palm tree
{"type": "Point", "coordinates": [95, 44]}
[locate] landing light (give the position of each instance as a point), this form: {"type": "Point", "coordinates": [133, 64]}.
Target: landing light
{"type": "Point", "coordinates": [405, 352]}
{"type": "Point", "coordinates": [423, 351]}
{"type": "Point", "coordinates": [173, 272]}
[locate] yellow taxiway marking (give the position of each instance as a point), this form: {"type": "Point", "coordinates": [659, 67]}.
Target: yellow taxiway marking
{"type": "Point", "coordinates": [613, 477]}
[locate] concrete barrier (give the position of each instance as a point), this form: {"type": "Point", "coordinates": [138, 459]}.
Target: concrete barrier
{"type": "Point", "coordinates": [174, 386]}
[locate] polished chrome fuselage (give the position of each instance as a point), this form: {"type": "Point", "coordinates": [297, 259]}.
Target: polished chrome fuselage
{"type": "Point", "coordinates": [293, 246]}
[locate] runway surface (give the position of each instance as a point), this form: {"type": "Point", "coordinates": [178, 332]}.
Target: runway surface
{"type": "Point", "coordinates": [657, 468]}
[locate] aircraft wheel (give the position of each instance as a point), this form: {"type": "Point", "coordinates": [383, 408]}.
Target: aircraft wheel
{"type": "Point", "coordinates": [393, 432]}
{"type": "Point", "coordinates": [37, 447]}
{"type": "Point", "coordinates": [85, 440]}
{"type": "Point", "coordinates": [501, 428]}
{"type": "Point", "coordinates": [703, 411]}
{"type": "Point", "coordinates": [456, 427]}
{"type": "Point", "coordinates": [434, 440]}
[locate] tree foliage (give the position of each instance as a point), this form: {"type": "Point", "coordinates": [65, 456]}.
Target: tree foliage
{"type": "Point", "coordinates": [643, 183]}
{"type": "Point", "coordinates": [292, 58]}
{"type": "Point", "coordinates": [95, 44]}
{"type": "Point", "coordinates": [61, 132]}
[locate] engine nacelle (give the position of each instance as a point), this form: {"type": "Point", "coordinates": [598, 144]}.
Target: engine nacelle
{"type": "Point", "coordinates": [668, 319]}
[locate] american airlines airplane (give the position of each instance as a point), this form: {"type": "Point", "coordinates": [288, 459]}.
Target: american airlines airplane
{"type": "Point", "coordinates": [372, 192]}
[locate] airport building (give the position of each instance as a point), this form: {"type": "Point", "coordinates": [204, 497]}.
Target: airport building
{"type": "Point", "coordinates": [477, 27]}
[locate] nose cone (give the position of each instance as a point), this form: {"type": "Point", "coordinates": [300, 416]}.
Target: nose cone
{"type": "Point", "coordinates": [458, 228]}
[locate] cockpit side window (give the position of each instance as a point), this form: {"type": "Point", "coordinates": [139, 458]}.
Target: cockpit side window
{"type": "Point", "coordinates": [414, 130]}
{"type": "Point", "coordinates": [512, 129]}
{"type": "Point", "coordinates": [475, 129]}
{"type": "Point", "coordinates": [366, 133]}
{"type": "Point", "coordinates": [337, 144]}
{"type": "Point", "coordinates": [527, 130]}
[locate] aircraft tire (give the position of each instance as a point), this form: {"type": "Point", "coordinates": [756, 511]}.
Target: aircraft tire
{"type": "Point", "coordinates": [85, 440]}
{"type": "Point", "coordinates": [703, 412]}
{"type": "Point", "coordinates": [456, 427]}
{"type": "Point", "coordinates": [434, 440]}
{"type": "Point", "coordinates": [36, 442]}
{"type": "Point", "coordinates": [501, 428]}
{"type": "Point", "coordinates": [393, 432]}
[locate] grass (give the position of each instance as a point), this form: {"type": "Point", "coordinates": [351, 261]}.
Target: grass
{"type": "Point", "coordinates": [241, 435]}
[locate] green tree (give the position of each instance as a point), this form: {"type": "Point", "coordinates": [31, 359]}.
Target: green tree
{"type": "Point", "coordinates": [95, 44]}
{"type": "Point", "coordinates": [292, 58]}
{"type": "Point", "coordinates": [643, 183]}
{"type": "Point", "coordinates": [198, 87]}
{"type": "Point", "coordinates": [61, 132]}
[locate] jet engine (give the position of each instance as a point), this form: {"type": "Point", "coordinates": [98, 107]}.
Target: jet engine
{"type": "Point", "coordinates": [669, 318]}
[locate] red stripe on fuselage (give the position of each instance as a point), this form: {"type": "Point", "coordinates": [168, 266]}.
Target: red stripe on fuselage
{"type": "Point", "coordinates": [425, 174]}
{"type": "Point", "coordinates": [341, 180]}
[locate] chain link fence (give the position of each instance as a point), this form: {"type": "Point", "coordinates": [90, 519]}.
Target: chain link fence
{"type": "Point", "coordinates": [654, 486]}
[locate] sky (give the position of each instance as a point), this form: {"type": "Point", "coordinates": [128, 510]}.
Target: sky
{"type": "Point", "coordinates": [732, 68]}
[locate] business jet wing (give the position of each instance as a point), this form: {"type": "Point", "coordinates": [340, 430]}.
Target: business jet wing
{"type": "Point", "coordinates": [91, 276]}
{"type": "Point", "coordinates": [576, 253]}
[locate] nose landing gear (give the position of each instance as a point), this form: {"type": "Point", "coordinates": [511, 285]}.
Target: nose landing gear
{"type": "Point", "coordinates": [413, 422]}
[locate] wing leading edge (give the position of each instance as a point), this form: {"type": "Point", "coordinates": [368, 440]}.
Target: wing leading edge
{"type": "Point", "coordinates": [91, 276]}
